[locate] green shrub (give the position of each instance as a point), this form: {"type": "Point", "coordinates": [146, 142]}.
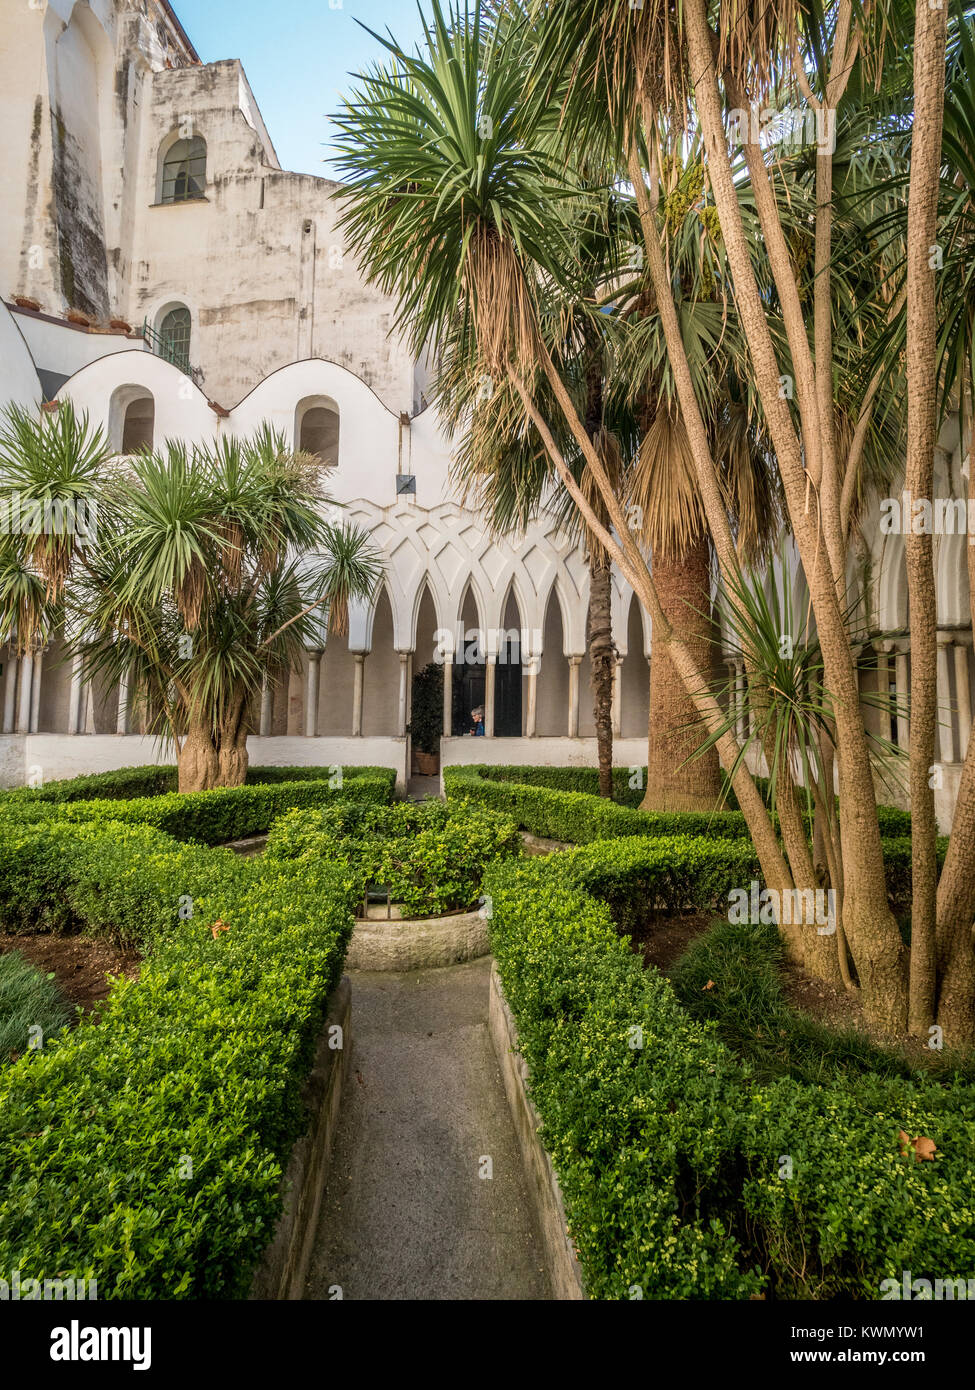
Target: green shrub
{"type": "Point", "coordinates": [430, 856]}
{"type": "Point", "coordinates": [127, 783]}
{"type": "Point", "coordinates": [146, 1149]}
{"type": "Point", "coordinates": [529, 795]}
{"type": "Point", "coordinates": [29, 999]}
{"type": "Point", "coordinates": [577, 816]}
{"type": "Point", "coordinates": [230, 813]}
{"type": "Point", "coordinates": [671, 1150]}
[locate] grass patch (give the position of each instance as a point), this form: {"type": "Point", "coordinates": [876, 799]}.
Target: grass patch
{"type": "Point", "coordinates": [732, 977]}
{"type": "Point", "coordinates": [29, 999]}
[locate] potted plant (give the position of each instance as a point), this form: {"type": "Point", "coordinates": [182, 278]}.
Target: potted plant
{"type": "Point", "coordinates": [426, 722]}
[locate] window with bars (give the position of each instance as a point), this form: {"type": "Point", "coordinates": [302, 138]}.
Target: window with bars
{"type": "Point", "coordinates": [174, 338]}
{"type": "Point", "coordinates": [184, 172]}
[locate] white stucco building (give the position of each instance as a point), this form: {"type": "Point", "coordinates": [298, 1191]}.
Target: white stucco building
{"type": "Point", "coordinates": [161, 271]}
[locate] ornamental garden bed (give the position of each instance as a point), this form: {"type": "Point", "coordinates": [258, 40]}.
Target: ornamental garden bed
{"type": "Point", "coordinates": [709, 1140]}
{"type": "Point", "coordinates": [164, 1125]}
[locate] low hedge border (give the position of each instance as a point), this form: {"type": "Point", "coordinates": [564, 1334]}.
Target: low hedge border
{"type": "Point", "coordinates": [563, 804]}
{"type": "Point", "coordinates": [577, 816]}
{"type": "Point", "coordinates": [580, 818]}
{"type": "Point", "coordinates": [430, 856]}
{"type": "Point", "coordinates": [156, 779]}
{"type": "Point", "coordinates": [669, 1151]}
{"type": "Point", "coordinates": [215, 817]}
{"type": "Point", "coordinates": [145, 1149]}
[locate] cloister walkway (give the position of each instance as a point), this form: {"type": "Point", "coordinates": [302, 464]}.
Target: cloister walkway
{"type": "Point", "coordinates": [407, 1213]}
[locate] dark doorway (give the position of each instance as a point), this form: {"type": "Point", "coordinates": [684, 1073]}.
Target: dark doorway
{"type": "Point", "coordinates": [468, 694]}
{"type": "Point", "coordinates": [507, 697]}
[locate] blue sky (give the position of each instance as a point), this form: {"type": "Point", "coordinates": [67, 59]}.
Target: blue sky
{"type": "Point", "coordinates": [297, 55]}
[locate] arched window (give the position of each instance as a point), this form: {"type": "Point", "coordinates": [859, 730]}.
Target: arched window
{"type": "Point", "coordinates": [184, 171]}
{"type": "Point", "coordinates": [317, 429]}
{"type": "Point", "coordinates": [131, 419]}
{"type": "Point", "coordinates": [137, 425]}
{"type": "Point", "coordinates": [174, 337]}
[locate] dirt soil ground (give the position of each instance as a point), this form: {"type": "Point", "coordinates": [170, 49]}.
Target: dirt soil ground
{"type": "Point", "coordinates": [80, 964]}
{"type": "Point", "coordinates": [664, 939]}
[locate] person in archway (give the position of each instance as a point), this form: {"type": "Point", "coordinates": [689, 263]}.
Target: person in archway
{"type": "Point", "coordinates": [477, 722]}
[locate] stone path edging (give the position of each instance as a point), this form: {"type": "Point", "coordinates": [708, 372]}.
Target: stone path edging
{"type": "Point", "coordinates": [564, 1269]}
{"type": "Point", "coordinates": [284, 1265]}
{"type": "Point", "coordinates": [418, 944]}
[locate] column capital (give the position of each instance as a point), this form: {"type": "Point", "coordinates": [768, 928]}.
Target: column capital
{"type": "Point", "coordinates": [945, 638]}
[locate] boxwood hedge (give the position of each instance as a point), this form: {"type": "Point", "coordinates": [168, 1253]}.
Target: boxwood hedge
{"type": "Point", "coordinates": [214, 817]}
{"type": "Point", "coordinates": [431, 857]}
{"type": "Point", "coordinates": [562, 803]}
{"type": "Point", "coordinates": [685, 1176]}
{"type": "Point", "coordinates": [146, 1148]}
{"type": "Point", "coordinates": [153, 780]}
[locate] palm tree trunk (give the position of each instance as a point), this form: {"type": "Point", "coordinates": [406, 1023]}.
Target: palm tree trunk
{"type": "Point", "coordinates": [197, 765]}
{"type": "Point", "coordinates": [922, 224]}
{"type": "Point", "coordinates": [232, 758]}
{"type": "Point", "coordinates": [675, 731]}
{"type": "Point", "coordinates": [602, 660]}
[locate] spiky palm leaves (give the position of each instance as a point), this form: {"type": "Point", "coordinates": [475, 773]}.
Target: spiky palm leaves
{"type": "Point", "coordinates": [211, 568]}
{"type": "Point", "coordinates": [51, 470]}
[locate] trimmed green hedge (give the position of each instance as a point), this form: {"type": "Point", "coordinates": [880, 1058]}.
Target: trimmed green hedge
{"type": "Point", "coordinates": [214, 817]}
{"type": "Point", "coordinates": [670, 1152]}
{"type": "Point", "coordinates": [129, 782]}
{"type": "Point", "coordinates": [580, 818]}
{"type": "Point", "coordinates": [145, 1149]}
{"type": "Point", "coordinates": [577, 816]}
{"type": "Point", "coordinates": [430, 856]}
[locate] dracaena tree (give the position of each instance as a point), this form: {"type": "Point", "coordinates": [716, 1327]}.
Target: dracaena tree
{"type": "Point", "coordinates": [204, 574]}
{"type": "Point", "coordinates": [697, 66]}
{"type": "Point", "coordinates": [459, 206]}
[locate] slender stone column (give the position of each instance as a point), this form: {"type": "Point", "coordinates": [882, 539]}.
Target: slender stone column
{"type": "Point", "coordinates": [490, 676]}
{"type": "Point", "coordinates": [448, 696]}
{"type": "Point", "coordinates": [357, 689]}
{"type": "Point", "coordinates": [404, 686]}
{"type": "Point", "coordinates": [74, 696]}
{"type": "Point", "coordinates": [617, 696]}
{"type": "Point", "coordinates": [311, 693]}
{"type": "Point", "coordinates": [531, 713]}
{"type": "Point", "coordinates": [89, 704]}
{"type": "Point", "coordinates": [10, 693]}
{"type": "Point", "coordinates": [267, 696]}
{"type": "Point", "coordinates": [35, 692]}
{"type": "Point", "coordinates": [963, 698]}
{"type": "Point", "coordinates": [945, 729]}
{"type": "Point", "coordinates": [903, 682]}
{"type": "Point", "coordinates": [575, 663]}
{"type": "Point", "coordinates": [122, 721]}
{"type": "Point", "coordinates": [24, 698]}
{"type": "Point", "coordinates": [883, 688]}
{"type": "Point", "coordinates": [741, 719]}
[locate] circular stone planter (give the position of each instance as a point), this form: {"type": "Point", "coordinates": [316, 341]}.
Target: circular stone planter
{"type": "Point", "coordinates": [417, 944]}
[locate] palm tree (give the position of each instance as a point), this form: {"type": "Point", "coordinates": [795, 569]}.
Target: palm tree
{"type": "Point", "coordinates": [459, 207]}
{"type": "Point", "coordinates": [207, 573]}
{"type": "Point", "coordinates": [501, 467]}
